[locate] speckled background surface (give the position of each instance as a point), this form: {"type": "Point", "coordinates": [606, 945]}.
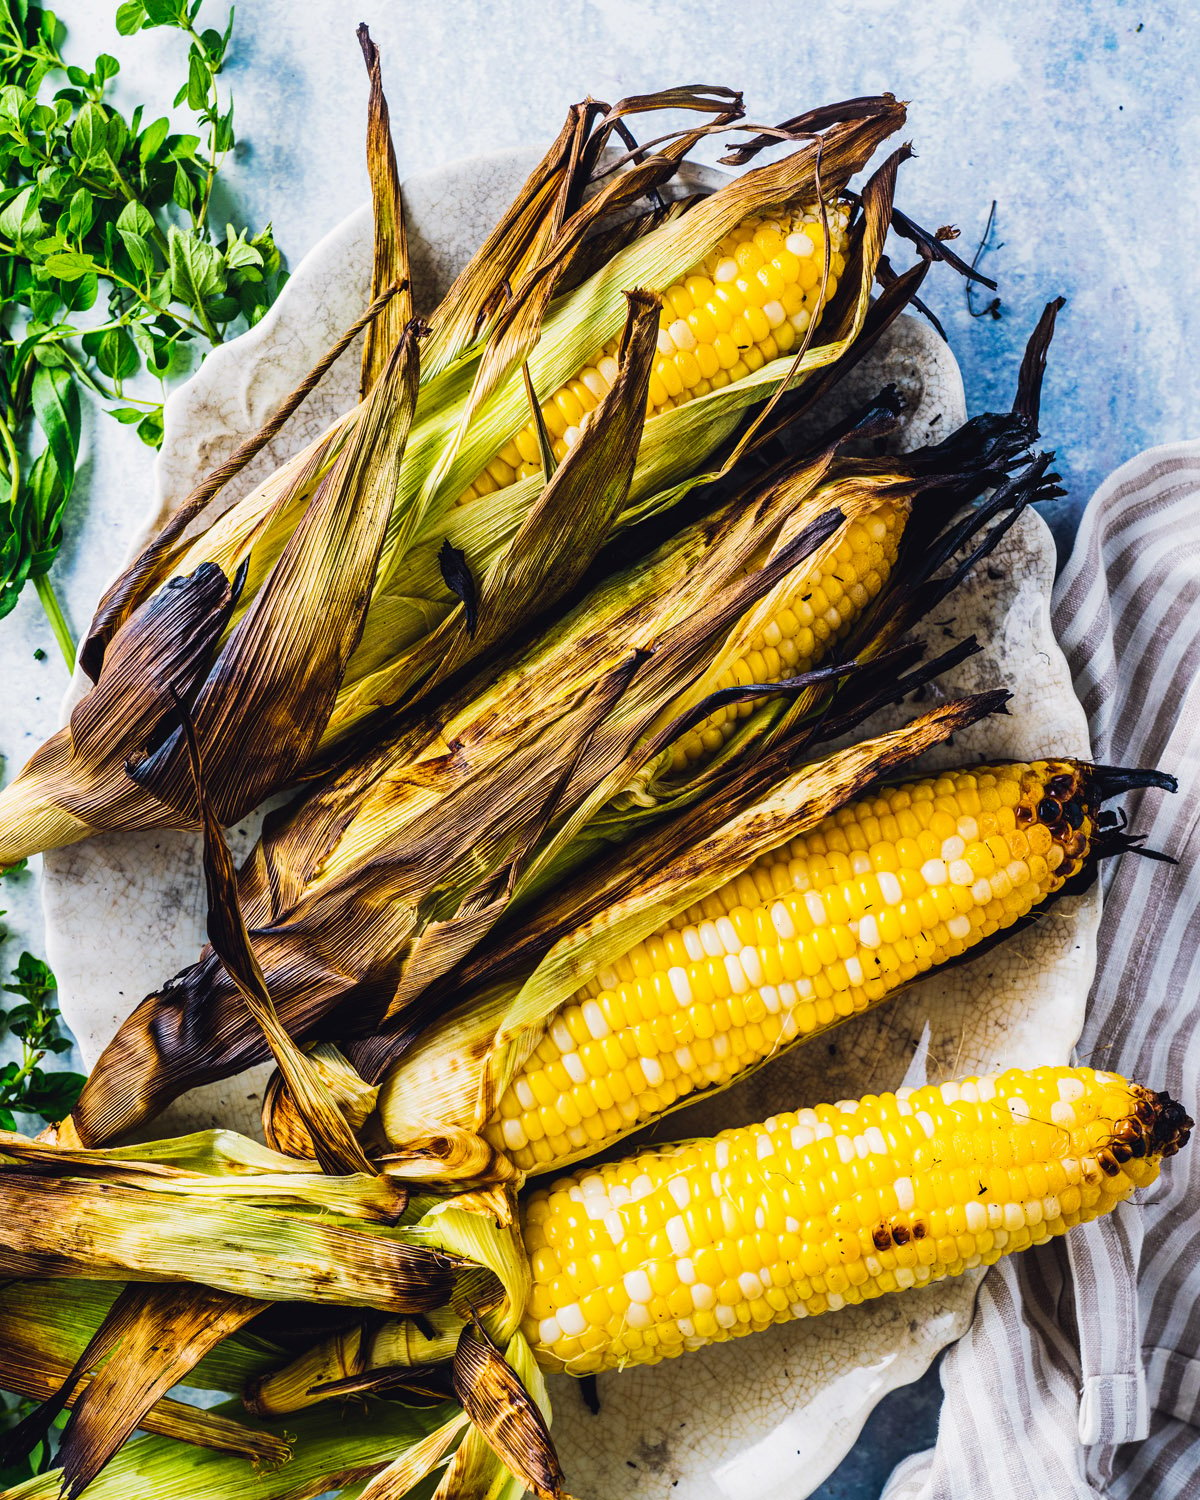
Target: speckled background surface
{"type": "Point", "coordinates": [1077, 118]}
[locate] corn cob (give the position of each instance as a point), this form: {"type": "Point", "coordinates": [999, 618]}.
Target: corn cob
{"type": "Point", "coordinates": [671, 1249]}
{"type": "Point", "coordinates": [751, 300]}
{"type": "Point", "coordinates": [819, 611]}
{"type": "Point", "coordinates": [885, 889]}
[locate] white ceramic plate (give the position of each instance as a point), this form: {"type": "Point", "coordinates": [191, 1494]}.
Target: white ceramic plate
{"type": "Point", "coordinates": [761, 1417]}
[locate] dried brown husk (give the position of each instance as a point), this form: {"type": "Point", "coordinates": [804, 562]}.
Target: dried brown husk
{"type": "Point", "coordinates": [374, 886]}
{"type": "Point", "coordinates": [35, 1364]}
{"type": "Point", "coordinates": [504, 1414]}
{"type": "Point", "coordinates": [312, 625]}
{"type": "Point", "coordinates": [149, 1341]}
{"type": "Point", "coordinates": [386, 877]}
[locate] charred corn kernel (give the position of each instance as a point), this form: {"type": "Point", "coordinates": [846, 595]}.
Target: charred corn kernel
{"type": "Point", "coordinates": [759, 974]}
{"type": "Point", "coordinates": [724, 1236]}
{"type": "Point", "coordinates": [759, 276]}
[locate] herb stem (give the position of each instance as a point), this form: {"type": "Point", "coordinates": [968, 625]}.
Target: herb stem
{"type": "Point", "coordinates": [13, 464]}
{"type": "Point", "coordinates": [58, 621]}
{"type": "Point", "coordinates": [200, 217]}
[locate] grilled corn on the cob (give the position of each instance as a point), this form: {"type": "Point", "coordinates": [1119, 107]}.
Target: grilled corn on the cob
{"type": "Point", "coordinates": [637, 1260]}
{"type": "Point", "coordinates": [818, 612]}
{"type": "Point", "coordinates": [751, 300]}
{"type": "Point", "coordinates": [882, 891]}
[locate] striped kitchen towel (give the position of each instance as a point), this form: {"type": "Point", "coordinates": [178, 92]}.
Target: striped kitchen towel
{"type": "Point", "coordinates": [1080, 1374]}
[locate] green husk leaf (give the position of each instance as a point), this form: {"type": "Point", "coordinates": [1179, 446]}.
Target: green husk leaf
{"type": "Point", "coordinates": [251, 1174]}
{"type": "Point", "coordinates": [334, 1446]}
{"type": "Point", "coordinates": [111, 1232]}
{"type": "Point", "coordinates": [566, 527]}
{"type": "Point", "coordinates": [397, 1480]}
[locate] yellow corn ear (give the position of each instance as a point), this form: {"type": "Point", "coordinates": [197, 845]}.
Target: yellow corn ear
{"type": "Point", "coordinates": [751, 300]}
{"type": "Point", "coordinates": [638, 1260]}
{"type": "Point", "coordinates": [888, 887]}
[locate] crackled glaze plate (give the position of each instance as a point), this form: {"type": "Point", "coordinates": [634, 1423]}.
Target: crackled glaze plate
{"type": "Point", "coordinates": [762, 1417]}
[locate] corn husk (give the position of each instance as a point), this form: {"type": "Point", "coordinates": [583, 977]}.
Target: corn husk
{"type": "Point", "coordinates": [56, 1319]}
{"type": "Point", "coordinates": [37, 1358]}
{"type": "Point", "coordinates": [149, 1339]}
{"type": "Point", "coordinates": [267, 1235]}
{"type": "Point", "coordinates": [378, 883]}
{"type": "Point", "coordinates": [454, 1072]}
{"type": "Point", "coordinates": [335, 1447]}
{"type": "Point", "coordinates": [113, 1358]}
{"type": "Point", "coordinates": [287, 621]}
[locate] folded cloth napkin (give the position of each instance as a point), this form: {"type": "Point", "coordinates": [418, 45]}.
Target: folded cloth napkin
{"type": "Point", "coordinates": [1080, 1373]}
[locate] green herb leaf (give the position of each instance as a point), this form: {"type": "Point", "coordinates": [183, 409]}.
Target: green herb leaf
{"type": "Point", "coordinates": [152, 138]}
{"type": "Point", "coordinates": [131, 16]}
{"type": "Point", "coordinates": [165, 12]}
{"type": "Point", "coordinates": [90, 205]}
{"type": "Point", "coordinates": [197, 84]}
{"type": "Point", "coordinates": [150, 429]}
{"type": "Point", "coordinates": [89, 135]}
{"type": "Point", "coordinates": [32, 978]}
{"type": "Point", "coordinates": [81, 213]}
{"type": "Point", "coordinates": [68, 265]}
{"type": "Point", "coordinates": [239, 251]}
{"type": "Point", "coordinates": [195, 266]}
{"type": "Point", "coordinates": [56, 407]}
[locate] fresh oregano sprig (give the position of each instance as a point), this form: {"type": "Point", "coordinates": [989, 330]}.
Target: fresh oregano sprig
{"type": "Point", "coordinates": [109, 261]}
{"type": "Point", "coordinates": [25, 1086]}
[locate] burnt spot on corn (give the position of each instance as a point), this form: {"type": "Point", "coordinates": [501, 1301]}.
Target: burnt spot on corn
{"type": "Point", "coordinates": [891, 1232]}
{"type": "Point", "coordinates": [1159, 1121]}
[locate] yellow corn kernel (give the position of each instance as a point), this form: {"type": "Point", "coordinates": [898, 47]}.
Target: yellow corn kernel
{"type": "Point", "coordinates": [865, 555]}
